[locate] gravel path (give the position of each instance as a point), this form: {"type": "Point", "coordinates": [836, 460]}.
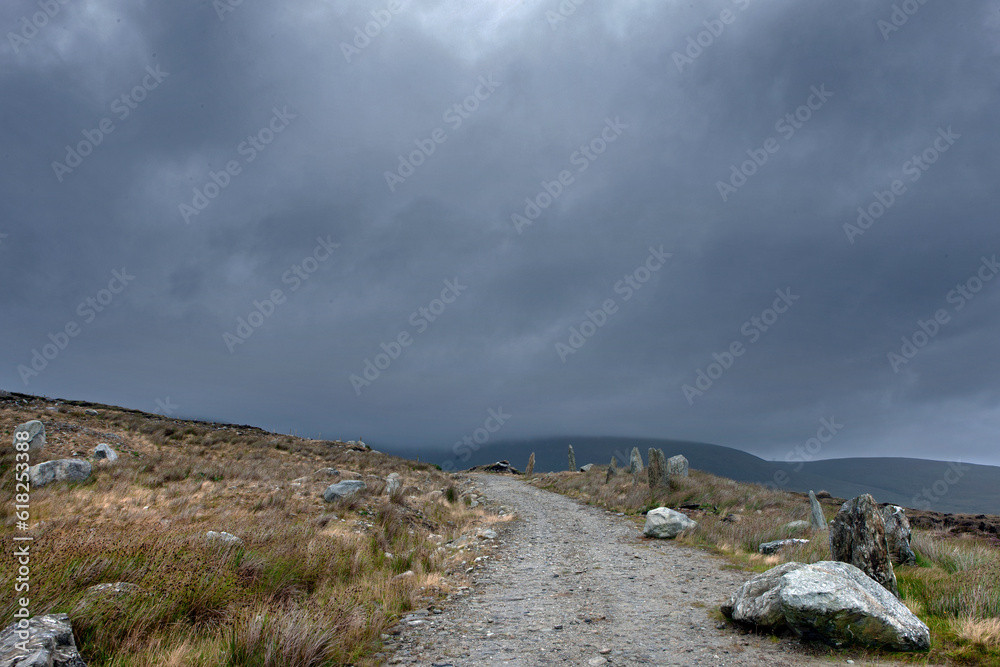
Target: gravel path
{"type": "Point", "coordinates": [575, 585]}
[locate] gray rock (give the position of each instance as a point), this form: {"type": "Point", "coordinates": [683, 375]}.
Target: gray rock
{"type": "Point", "coordinates": [104, 451]}
{"type": "Point", "coordinates": [36, 434]}
{"type": "Point", "coordinates": [635, 462]}
{"type": "Point", "coordinates": [857, 536]}
{"type": "Point", "coordinates": [572, 459]}
{"type": "Point", "coordinates": [392, 483]}
{"type": "Point", "coordinates": [612, 470]}
{"type": "Point", "coordinates": [348, 487]}
{"type": "Point", "coordinates": [665, 523]}
{"type": "Point", "coordinates": [224, 537]}
{"type": "Point", "coordinates": [63, 470]}
{"type": "Point", "coordinates": [327, 472]}
{"type": "Point", "coordinates": [898, 534]}
{"type": "Point", "coordinates": [677, 465]}
{"type": "Point", "coordinates": [119, 588]}
{"type": "Point", "coordinates": [586, 468]}
{"type": "Point", "coordinates": [657, 470]}
{"type": "Point", "coordinates": [769, 548]}
{"type": "Point", "coordinates": [90, 411]}
{"type": "Point", "coordinates": [486, 534]}
{"type": "Point", "coordinates": [830, 601]}
{"type": "Point", "coordinates": [49, 640]}
{"type": "Point", "coordinates": [796, 526]}
{"type": "Point", "coordinates": [816, 517]}
{"type": "Point", "coordinates": [531, 465]}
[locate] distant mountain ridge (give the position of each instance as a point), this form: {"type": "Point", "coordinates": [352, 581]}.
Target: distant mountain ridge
{"type": "Point", "coordinates": [918, 483]}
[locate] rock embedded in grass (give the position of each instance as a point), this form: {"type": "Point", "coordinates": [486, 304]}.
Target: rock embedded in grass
{"type": "Point", "coordinates": [665, 523]}
{"type": "Point", "coordinates": [63, 470]}
{"type": "Point", "coordinates": [831, 601]}
{"type": "Point", "coordinates": [796, 526]}
{"type": "Point", "coordinates": [343, 489]}
{"type": "Point", "coordinates": [770, 548]}
{"type": "Point", "coordinates": [35, 434]}
{"type": "Point", "coordinates": [104, 451]}
{"type": "Point", "coordinates": [223, 537]}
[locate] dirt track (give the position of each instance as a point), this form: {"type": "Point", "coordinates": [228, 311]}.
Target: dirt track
{"type": "Point", "coordinates": [575, 585]}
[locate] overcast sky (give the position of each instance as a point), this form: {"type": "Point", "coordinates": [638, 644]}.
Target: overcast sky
{"type": "Point", "coordinates": [689, 174]}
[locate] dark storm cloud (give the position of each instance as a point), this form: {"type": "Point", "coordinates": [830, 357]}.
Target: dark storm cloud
{"type": "Point", "coordinates": [535, 90]}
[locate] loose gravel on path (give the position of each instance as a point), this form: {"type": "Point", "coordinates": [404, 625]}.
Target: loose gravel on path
{"type": "Point", "coordinates": [576, 585]}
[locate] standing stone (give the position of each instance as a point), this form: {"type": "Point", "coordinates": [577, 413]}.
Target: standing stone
{"type": "Point", "coordinates": [857, 536]}
{"type": "Point", "coordinates": [572, 459]}
{"type": "Point", "coordinates": [531, 465]}
{"type": "Point", "coordinates": [612, 470]}
{"type": "Point", "coordinates": [36, 434]}
{"type": "Point", "coordinates": [657, 469]}
{"type": "Point", "coordinates": [816, 519]}
{"type": "Point", "coordinates": [897, 534]}
{"type": "Point", "coordinates": [677, 465]}
{"type": "Point", "coordinates": [635, 462]}
{"type": "Point", "coordinates": [392, 483]}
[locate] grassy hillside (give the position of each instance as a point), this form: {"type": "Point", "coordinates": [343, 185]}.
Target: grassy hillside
{"type": "Point", "coordinates": [900, 481]}
{"type": "Point", "coordinates": [313, 583]}
{"type": "Point", "coordinates": [954, 588]}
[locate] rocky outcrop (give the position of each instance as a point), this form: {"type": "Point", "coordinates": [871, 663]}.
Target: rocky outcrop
{"type": "Point", "coordinates": [677, 465]}
{"type": "Point", "coordinates": [612, 470]}
{"type": "Point", "coordinates": [816, 517]}
{"type": "Point", "coordinates": [104, 452]}
{"type": "Point", "coordinates": [857, 536]}
{"type": "Point", "coordinates": [63, 470]}
{"type": "Point", "coordinates": [769, 548]}
{"type": "Point", "coordinates": [531, 465]}
{"type": "Point", "coordinates": [635, 462]}
{"type": "Point", "coordinates": [48, 639]}
{"type": "Point", "coordinates": [91, 412]}
{"type": "Point", "coordinates": [343, 489]}
{"type": "Point", "coordinates": [897, 535]}
{"type": "Point", "coordinates": [572, 459]}
{"type": "Point", "coordinates": [830, 601]}
{"type": "Point", "coordinates": [665, 523]}
{"type": "Point", "coordinates": [35, 434]}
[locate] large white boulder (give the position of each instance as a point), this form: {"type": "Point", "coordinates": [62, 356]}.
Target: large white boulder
{"type": "Point", "coordinates": [666, 523]}
{"type": "Point", "coordinates": [831, 601]}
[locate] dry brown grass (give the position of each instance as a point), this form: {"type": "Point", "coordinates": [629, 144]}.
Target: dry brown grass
{"type": "Point", "coordinates": [311, 585]}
